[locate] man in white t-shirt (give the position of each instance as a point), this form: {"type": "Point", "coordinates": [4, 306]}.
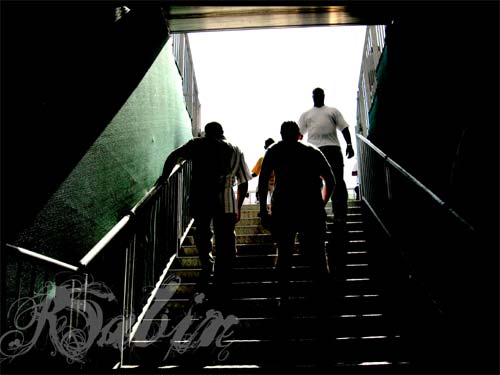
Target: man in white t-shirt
{"type": "Point", "coordinates": [321, 123]}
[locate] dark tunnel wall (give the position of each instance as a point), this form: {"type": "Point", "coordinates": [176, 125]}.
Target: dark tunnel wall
{"type": "Point", "coordinates": [436, 114]}
{"type": "Point", "coordinates": [92, 103]}
{"type": "Point", "coordinates": [438, 89]}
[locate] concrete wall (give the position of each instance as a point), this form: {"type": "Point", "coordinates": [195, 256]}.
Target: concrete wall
{"type": "Point", "coordinates": [94, 104]}
{"type": "Point", "coordinates": [118, 169]}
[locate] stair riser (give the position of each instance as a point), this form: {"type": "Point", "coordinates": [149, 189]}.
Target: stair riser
{"type": "Point", "coordinates": [302, 353]}
{"type": "Point", "coordinates": [262, 261]}
{"type": "Point", "coordinates": [254, 238]}
{"type": "Point", "coordinates": [257, 234]}
{"type": "Point", "coordinates": [266, 329]}
{"type": "Point", "coordinates": [265, 307]}
{"type": "Point", "coordinates": [242, 274]}
{"type": "Point", "coordinates": [295, 328]}
{"type": "Point", "coordinates": [269, 248]}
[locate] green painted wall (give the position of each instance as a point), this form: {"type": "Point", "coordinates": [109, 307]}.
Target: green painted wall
{"type": "Point", "coordinates": [118, 169]}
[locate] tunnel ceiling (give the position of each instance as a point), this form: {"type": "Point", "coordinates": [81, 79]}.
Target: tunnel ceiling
{"type": "Point", "coordinates": [183, 19]}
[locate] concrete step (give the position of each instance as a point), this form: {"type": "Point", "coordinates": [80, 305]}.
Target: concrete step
{"type": "Point", "coordinates": [241, 261]}
{"type": "Point", "coordinates": [241, 249]}
{"type": "Point", "coordinates": [346, 307]}
{"type": "Point", "coordinates": [347, 284]}
{"type": "Point", "coordinates": [252, 210]}
{"type": "Point", "coordinates": [248, 221]}
{"type": "Point", "coordinates": [248, 273]}
{"type": "Point", "coordinates": [351, 203]}
{"type": "Point", "coordinates": [264, 244]}
{"type": "Point", "coordinates": [300, 327]}
{"type": "Point", "coordinates": [265, 296]}
{"type": "Point", "coordinates": [260, 260]}
{"type": "Point", "coordinates": [351, 216]}
{"type": "Point", "coordinates": [251, 289]}
{"type": "Point", "coordinates": [303, 327]}
{"type": "Point", "coordinates": [251, 229]}
{"type": "Point", "coordinates": [255, 238]}
{"type": "Point", "coordinates": [291, 354]}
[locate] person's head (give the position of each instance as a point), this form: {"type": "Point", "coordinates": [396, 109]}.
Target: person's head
{"type": "Point", "coordinates": [214, 130]}
{"type": "Point", "coordinates": [268, 142]}
{"type": "Point", "coordinates": [318, 97]}
{"type": "Point", "coordinates": [290, 131]}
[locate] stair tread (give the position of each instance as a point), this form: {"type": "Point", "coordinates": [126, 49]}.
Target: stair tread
{"type": "Point", "coordinates": [357, 323]}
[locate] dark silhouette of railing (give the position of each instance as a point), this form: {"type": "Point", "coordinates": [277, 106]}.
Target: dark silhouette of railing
{"type": "Point", "coordinates": [127, 262]}
{"type": "Point", "coordinates": [422, 247]}
{"type": "Point", "coordinates": [410, 214]}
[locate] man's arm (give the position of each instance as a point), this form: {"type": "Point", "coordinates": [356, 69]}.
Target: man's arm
{"type": "Point", "coordinates": [302, 124]}
{"type": "Point", "coordinates": [243, 176]}
{"type": "Point", "coordinates": [257, 166]}
{"type": "Point", "coordinates": [175, 157]}
{"type": "Point", "coordinates": [328, 186]}
{"type": "Point", "coordinates": [328, 179]}
{"type": "Point", "coordinates": [347, 137]}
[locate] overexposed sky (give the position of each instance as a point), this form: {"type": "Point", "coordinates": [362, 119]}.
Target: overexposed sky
{"type": "Point", "coordinates": [252, 80]}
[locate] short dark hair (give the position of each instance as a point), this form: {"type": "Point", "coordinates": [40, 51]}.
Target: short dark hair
{"type": "Point", "coordinates": [214, 130]}
{"type": "Point", "coordinates": [290, 131]}
{"type": "Point", "coordinates": [318, 91]}
{"type": "Point", "coordinates": [268, 142]}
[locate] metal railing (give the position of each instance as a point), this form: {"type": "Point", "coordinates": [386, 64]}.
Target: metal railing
{"type": "Point", "coordinates": [428, 233]}
{"type": "Point", "coordinates": [367, 85]}
{"type": "Point", "coordinates": [182, 54]}
{"type": "Point", "coordinates": [127, 261]}
{"type": "Point", "coordinates": [141, 245]}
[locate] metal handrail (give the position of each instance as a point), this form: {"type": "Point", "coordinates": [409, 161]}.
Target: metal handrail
{"type": "Point", "coordinates": [43, 258]}
{"type": "Point", "coordinates": [415, 181]}
{"type": "Point", "coordinates": [108, 237]}
{"type": "Point", "coordinates": [152, 192]}
{"type": "Point", "coordinates": [407, 218]}
{"type": "Point", "coordinates": [113, 232]}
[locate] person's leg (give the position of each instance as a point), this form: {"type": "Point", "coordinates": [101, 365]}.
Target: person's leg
{"type": "Point", "coordinates": [313, 237]}
{"type": "Point", "coordinates": [284, 234]}
{"type": "Point", "coordinates": [203, 240]}
{"type": "Point", "coordinates": [225, 242]}
{"type": "Point", "coordinates": [321, 292]}
{"type": "Point", "coordinates": [339, 197]}
{"type": "Point", "coordinates": [270, 197]}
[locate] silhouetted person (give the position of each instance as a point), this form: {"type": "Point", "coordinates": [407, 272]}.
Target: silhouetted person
{"type": "Point", "coordinates": [216, 165]}
{"type": "Point", "coordinates": [258, 166]}
{"type": "Point", "coordinates": [321, 123]}
{"type": "Point", "coordinates": [303, 185]}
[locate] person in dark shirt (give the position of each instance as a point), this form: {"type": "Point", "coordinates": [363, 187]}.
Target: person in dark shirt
{"type": "Point", "coordinates": [304, 183]}
{"type": "Point", "coordinates": [217, 165]}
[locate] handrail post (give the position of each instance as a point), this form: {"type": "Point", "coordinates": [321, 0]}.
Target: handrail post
{"type": "Point", "coordinates": [388, 186]}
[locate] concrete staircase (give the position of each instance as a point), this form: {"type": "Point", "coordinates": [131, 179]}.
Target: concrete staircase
{"type": "Point", "coordinates": [355, 333]}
